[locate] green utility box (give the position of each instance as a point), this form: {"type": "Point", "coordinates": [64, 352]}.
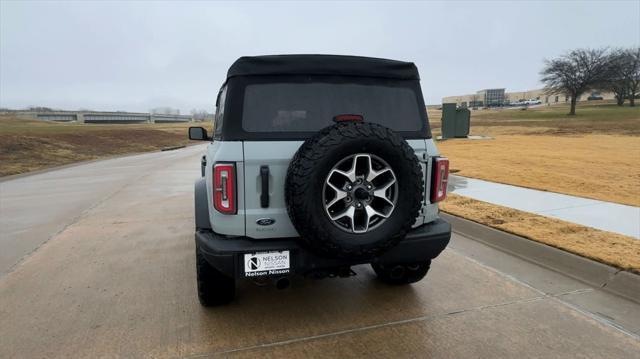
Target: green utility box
{"type": "Point", "coordinates": [455, 121]}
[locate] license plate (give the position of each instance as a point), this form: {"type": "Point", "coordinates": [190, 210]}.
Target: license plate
{"type": "Point", "coordinates": [266, 263]}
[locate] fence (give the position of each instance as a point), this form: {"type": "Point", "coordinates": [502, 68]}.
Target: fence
{"type": "Point", "coordinates": [104, 117]}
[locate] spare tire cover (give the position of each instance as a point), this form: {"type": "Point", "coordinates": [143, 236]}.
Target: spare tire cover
{"type": "Point", "coordinates": [353, 190]}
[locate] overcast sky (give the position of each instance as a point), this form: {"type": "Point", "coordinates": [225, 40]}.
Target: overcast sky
{"type": "Point", "coordinates": [136, 56]}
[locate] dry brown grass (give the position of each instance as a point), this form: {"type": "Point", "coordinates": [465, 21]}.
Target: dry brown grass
{"type": "Point", "coordinates": [610, 248]}
{"type": "Point", "coordinates": [29, 145]}
{"type": "Point", "coordinates": [593, 166]}
{"type": "Point", "coordinates": [594, 155]}
{"type": "Point", "coordinates": [602, 118]}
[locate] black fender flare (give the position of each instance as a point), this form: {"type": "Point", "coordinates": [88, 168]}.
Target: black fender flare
{"type": "Point", "coordinates": [201, 205]}
{"type": "Point", "coordinates": [203, 164]}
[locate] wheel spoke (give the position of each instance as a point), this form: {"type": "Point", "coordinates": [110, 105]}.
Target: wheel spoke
{"type": "Point", "coordinates": [374, 174]}
{"type": "Point", "coordinates": [362, 230]}
{"type": "Point", "coordinates": [369, 214]}
{"type": "Point", "coordinates": [372, 212]}
{"type": "Point", "coordinates": [386, 200]}
{"type": "Point", "coordinates": [351, 178]}
{"type": "Point", "coordinates": [351, 174]}
{"type": "Point", "coordinates": [340, 194]}
{"type": "Point", "coordinates": [358, 158]}
{"type": "Point", "coordinates": [381, 192]}
{"type": "Point", "coordinates": [349, 212]}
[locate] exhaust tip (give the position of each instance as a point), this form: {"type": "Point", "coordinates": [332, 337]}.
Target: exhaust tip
{"type": "Point", "coordinates": [283, 283]}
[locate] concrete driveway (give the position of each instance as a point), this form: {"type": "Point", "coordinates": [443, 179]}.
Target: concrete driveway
{"type": "Point", "coordinates": [116, 278]}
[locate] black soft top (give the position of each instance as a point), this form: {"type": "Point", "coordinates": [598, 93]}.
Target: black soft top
{"type": "Point", "coordinates": [323, 65]}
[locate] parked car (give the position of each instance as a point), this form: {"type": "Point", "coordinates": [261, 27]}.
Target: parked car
{"type": "Point", "coordinates": [317, 163]}
{"type": "Point", "coordinates": [533, 102]}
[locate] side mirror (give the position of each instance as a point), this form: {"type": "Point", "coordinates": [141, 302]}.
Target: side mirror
{"type": "Point", "coordinates": [198, 134]}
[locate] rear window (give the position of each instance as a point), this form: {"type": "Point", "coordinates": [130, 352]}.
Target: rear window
{"type": "Point", "coordinates": [308, 107]}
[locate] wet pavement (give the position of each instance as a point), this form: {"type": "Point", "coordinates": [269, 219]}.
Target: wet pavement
{"type": "Point", "coordinates": [34, 208]}
{"type": "Point", "coordinates": [118, 280]}
{"type": "Point", "coordinates": [607, 216]}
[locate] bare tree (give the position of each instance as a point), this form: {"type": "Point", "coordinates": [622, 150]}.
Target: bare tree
{"type": "Point", "coordinates": [474, 101]}
{"type": "Point", "coordinates": [631, 73]}
{"type": "Point", "coordinates": [624, 75]}
{"type": "Point", "coordinates": [199, 115]}
{"type": "Point", "coordinates": [575, 73]}
{"type": "Point", "coordinates": [620, 91]}
{"type": "Point", "coordinates": [165, 111]}
{"type": "Point", "coordinates": [616, 81]}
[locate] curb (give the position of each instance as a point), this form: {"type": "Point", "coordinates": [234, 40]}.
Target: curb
{"type": "Point", "coordinates": [596, 274]}
{"type": "Point", "coordinates": [172, 148]}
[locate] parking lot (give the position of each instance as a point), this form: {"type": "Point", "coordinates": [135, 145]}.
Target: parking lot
{"type": "Point", "coordinates": [117, 278]}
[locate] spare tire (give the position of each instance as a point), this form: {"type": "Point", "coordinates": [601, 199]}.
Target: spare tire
{"type": "Point", "coordinates": [353, 190]}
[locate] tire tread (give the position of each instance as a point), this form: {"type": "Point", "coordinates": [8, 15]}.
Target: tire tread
{"type": "Point", "coordinates": [313, 235]}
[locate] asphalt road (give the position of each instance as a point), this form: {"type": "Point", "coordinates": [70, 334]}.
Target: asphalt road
{"type": "Point", "coordinates": [109, 271]}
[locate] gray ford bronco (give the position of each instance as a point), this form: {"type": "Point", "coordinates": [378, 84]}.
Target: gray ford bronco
{"type": "Point", "coordinates": [317, 163]}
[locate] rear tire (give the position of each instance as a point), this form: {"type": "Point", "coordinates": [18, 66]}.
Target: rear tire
{"type": "Point", "coordinates": [399, 274]}
{"type": "Point", "coordinates": [312, 167]}
{"type": "Point", "coordinates": [214, 287]}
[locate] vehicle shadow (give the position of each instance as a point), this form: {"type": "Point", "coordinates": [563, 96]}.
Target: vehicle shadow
{"type": "Point", "coordinates": [266, 315]}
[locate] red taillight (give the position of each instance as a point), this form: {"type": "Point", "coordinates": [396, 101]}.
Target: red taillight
{"type": "Point", "coordinates": [440, 179]}
{"type": "Point", "coordinates": [348, 117]}
{"type": "Point", "coordinates": [224, 188]}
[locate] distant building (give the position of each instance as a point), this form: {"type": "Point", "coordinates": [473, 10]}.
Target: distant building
{"type": "Point", "coordinates": [498, 97]}
{"type": "Point", "coordinates": [492, 97]}
{"type": "Point", "coordinates": [102, 116]}
{"type": "Point", "coordinates": [482, 98]}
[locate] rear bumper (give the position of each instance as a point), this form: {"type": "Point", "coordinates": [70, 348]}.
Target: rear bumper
{"type": "Point", "coordinates": [227, 254]}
